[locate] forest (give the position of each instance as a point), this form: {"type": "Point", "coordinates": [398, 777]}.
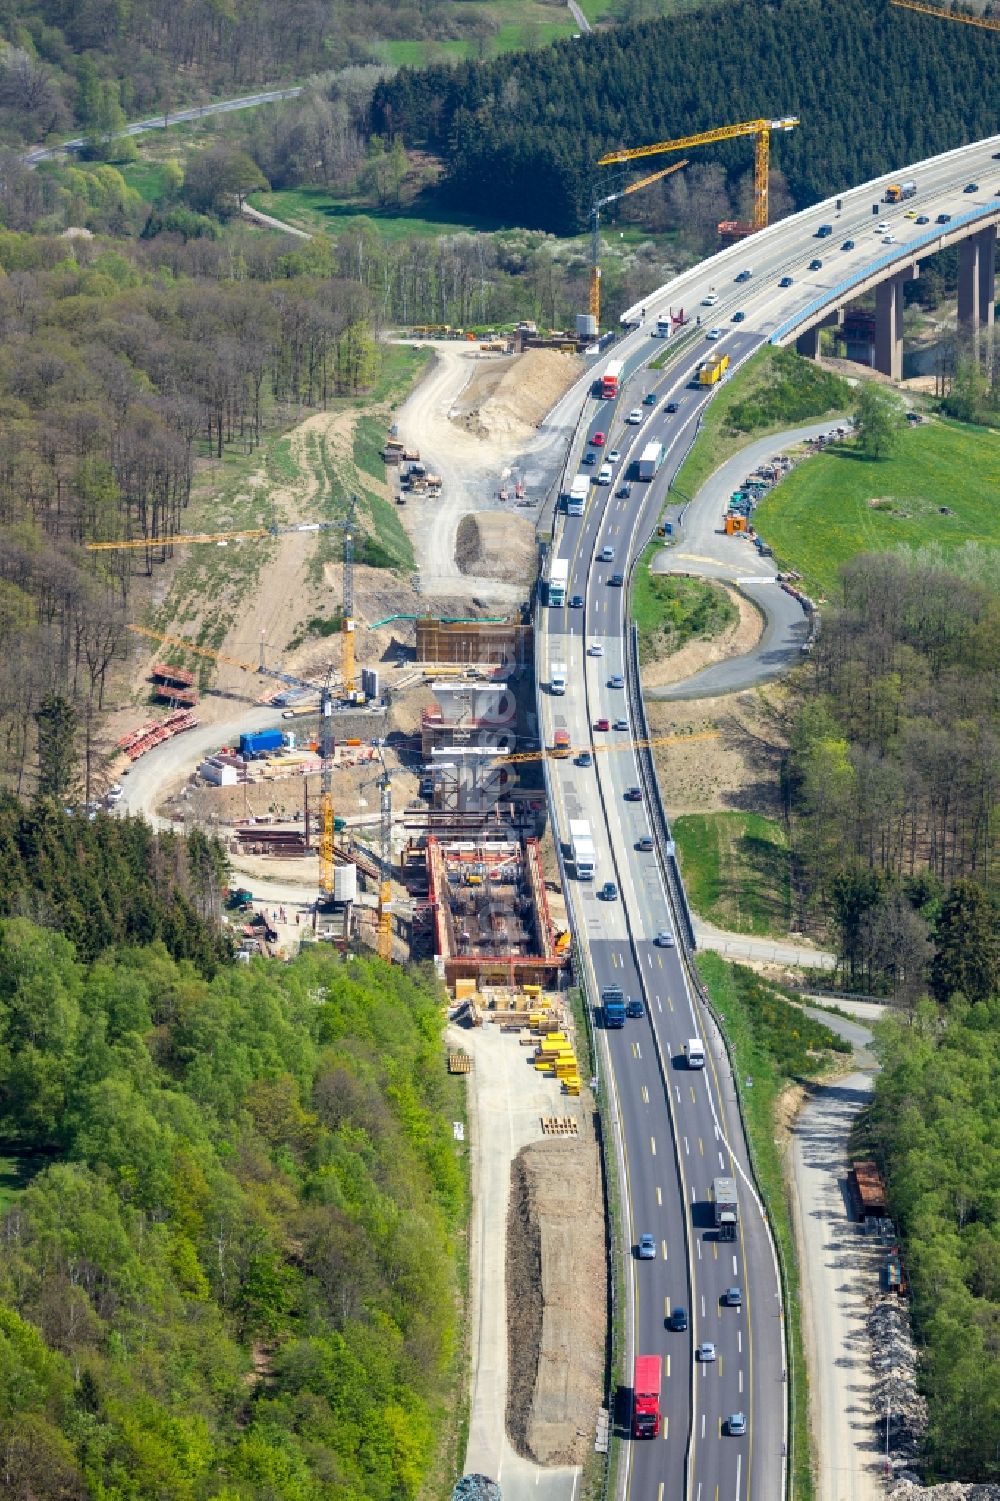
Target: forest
{"type": "Point", "coordinates": [104, 882]}
{"type": "Point", "coordinates": [523, 135]}
{"type": "Point", "coordinates": [120, 366]}
{"type": "Point", "coordinates": [230, 1218]}
{"type": "Point", "coordinates": [935, 1126]}
{"type": "Point", "coordinates": [894, 758]}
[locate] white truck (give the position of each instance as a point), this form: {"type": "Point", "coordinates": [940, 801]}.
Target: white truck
{"type": "Point", "coordinates": [581, 841]}
{"type": "Point", "coordinates": [557, 581]}
{"type": "Point", "coordinates": [650, 460]}
{"type": "Point", "coordinates": [727, 1209]}
{"type": "Point", "coordinates": [694, 1053]}
{"type": "Point", "coordinates": [576, 498]}
{"type": "Point", "coordinates": [557, 678]}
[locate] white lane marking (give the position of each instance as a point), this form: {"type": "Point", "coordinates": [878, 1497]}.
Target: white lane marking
{"type": "Point", "coordinates": [678, 1088]}
{"type": "Point", "coordinates": [739, 1341]}
{"type": "Point", "coordinates": [703, 1305]}
{"type": "Point", "coordinates": [703, 1425]}
{"type": "Point", "coordinates": [739, 1474]}
{"type": "Point", "coordinates": [734, 1264]}
{"type": "Point", "coordinates": [659, 1004]}
{"type": "Point", "coordinates": [722, 1162]}
{"type": "Point", "coordinates": [687, 1149]}
{"type": "Point", "coordinates": [652, 1143]}
{"type": "Point", "coordinates": [663, 1246]}
{"type": "Point", "coordinates": [698, 1244]}
{"type": "Point", "coordinates": [741, 1381]}
{"type": "Point", "coordinates": [659, 1195]}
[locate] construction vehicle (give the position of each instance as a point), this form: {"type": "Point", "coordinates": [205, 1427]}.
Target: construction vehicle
{"type": "Point", "coordinates": [897, 192]}
{"type": "Point", "coordinates": [727, 1211]}
{"type": "Point", "coordinates": [710, 372]}
{"type": "Point", "coordinates": [595, 236]}
{"type": "Point", "coordinates": [646, 1396]}
{"type": "Point", "coordinates": [561, 747]}
{"type": "Point", "coordinates": [326, 742]}
{"type": "Point", "coordinates": [240, 899]}
{"type": "Point", "coordinates": [613, 1006]}
{"type": "Point", "coordinates": [730, 229]}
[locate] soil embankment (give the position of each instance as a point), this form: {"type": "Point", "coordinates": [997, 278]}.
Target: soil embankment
{"type": "Point", "coordinates": [556, 1299]}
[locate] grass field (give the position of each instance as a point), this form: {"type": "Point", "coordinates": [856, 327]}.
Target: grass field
{"type": "Point", "coordinates": [839, 504]}
{"type": "Point", "coordinates": [736, 870]}
{"type": "Point", "coordinates": [315, 209]}
{"type": "Point", "coordinates": [720, 439]}
{"type": "Point", "coordinates": [672, 611]}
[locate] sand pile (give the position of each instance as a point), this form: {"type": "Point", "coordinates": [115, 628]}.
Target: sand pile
{"type": "Point", "coordinates": [510, 396]}
{"type": "Point", "coordinates": [497, 545]}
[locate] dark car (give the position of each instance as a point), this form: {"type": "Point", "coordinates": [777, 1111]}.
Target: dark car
{"type": "Point", "coordinates": [616, 580]}
{"type": "Point", "coordinates": [743, 276]}
{"type": "Point", "coordinates": [815, 265]}
{"type": "Point", "coordinates": [625, 490]}
{"type": "Point", "coordinates": [738, 317]}
{"type": "Point", "coordinates": [608, 892]}
{"type": "Point", "coordinates": [633, 794]}
{"type": "Point", "coordinates": [971, 187]}
{"type": "Point", "coordinates": [922, 219]}
{"type": "Point", "coordinates": [847, 245]}
{"type": "Point", "coordinates": [649, 400]}
{"type": "Point", "coordinates": [678, 1320]}
{"type": "Point", "coordinates": [671, 407]}
{"type": "Point", "coordinates": [585, 759]}
{"type": "Point", "coordinates": [944, 218]}
{"type": "Point", "coordinates": [634, 1006]}
{"type": "Point", "coordinates": [576, 601]}
{"type": "Point", "coordinates": [590, 457]}
{"type": "Point", "coordinates": [786, 281]}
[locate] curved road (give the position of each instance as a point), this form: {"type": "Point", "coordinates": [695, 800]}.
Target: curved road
{"type": "Point", "coordinates": [703, 550]}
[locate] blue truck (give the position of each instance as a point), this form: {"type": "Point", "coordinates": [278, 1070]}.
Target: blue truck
{"type": "Point", "coordinates": [260, 743]}
{"type": "Point", "coordinates": [613, 1005]}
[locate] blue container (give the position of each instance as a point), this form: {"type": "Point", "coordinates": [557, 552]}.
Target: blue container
{"type": "Point", "coordinates": [260, 743]}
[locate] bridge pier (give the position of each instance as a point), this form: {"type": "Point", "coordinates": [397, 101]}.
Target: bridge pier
{"type": "Point", "coordinates": [889, 322]}
{"type": "Point", "coordinates": [977, 283]}
{"type": "Point", "coordinates": [807, 344]}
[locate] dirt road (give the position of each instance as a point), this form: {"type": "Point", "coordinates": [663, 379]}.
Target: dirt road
{"type": "Point", "coordinates": [837, 1271]}
{"type": "Point", "coordinates": [473, 462]}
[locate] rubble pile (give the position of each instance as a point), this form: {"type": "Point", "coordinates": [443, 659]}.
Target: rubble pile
{"type": "Point", "coordinates": [907, 1487]}
{"type": "Point", "coordinates": [894, 1360]}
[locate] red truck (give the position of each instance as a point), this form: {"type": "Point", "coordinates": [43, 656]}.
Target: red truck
{"type": "Point", "coordinates": [646, 1396]}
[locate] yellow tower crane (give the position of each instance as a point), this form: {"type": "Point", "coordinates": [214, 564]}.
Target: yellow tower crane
{"type": "Point", "coordinates": [760, 129]}
{"type": "Point", "coordinates": [947, 15]}
{"type": "Point", "coordinates": [595, 235]}
{"type": "Point", "coordinates": [326, 740]}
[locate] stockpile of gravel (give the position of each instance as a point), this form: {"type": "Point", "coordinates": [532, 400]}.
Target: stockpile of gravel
{"type": "Point", "coordinates": [894, 1360]}
{"type": "Point", "coordinates": [908, 1488]}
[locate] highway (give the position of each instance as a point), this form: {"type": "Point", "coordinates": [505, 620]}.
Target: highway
{"type": "Point", "coordinates": [675, 1123]}
{"type": "Point", "coordinates": [679, 1128]}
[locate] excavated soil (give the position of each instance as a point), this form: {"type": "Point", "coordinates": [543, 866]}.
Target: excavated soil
{"type": "Point", "coordinates": [508, 396]}
{"type": "Point", "coordinates": [739, 770]}
{"type": "Point", "coordinates": [496, 545]}
{"type": "Point", "coordinates": [556, 1299]}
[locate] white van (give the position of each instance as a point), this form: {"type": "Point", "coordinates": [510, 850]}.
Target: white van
{"type": "Point", "coordinates": [634, 417]}
{"type": "Point", "coordinates": [604, 477]}
{"type": "Point", "coordinates": [694, 1052]}
{"type": "Point", "coordinates": [710, 300]}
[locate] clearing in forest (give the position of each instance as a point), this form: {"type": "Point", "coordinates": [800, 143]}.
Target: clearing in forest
{"type": "Point", "coordinates": [737, 871]}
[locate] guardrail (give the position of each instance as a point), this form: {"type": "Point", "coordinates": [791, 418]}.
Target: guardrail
{"type": "Point", "coordinates": [901, 254]}
{"type": "Point", "coordinates": [678, 897]}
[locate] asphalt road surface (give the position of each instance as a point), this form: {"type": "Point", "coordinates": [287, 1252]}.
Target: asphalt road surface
{"type": "Point", "coordinates": [678, 1127]}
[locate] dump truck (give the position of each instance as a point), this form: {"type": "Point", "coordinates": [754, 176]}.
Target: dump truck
{"type": "Point", "coordinates": [650, 460]}
{"type": "Point", "coordinates": [561, 747]}
{"type": "Point", "coordinates": [613, 1006]}
{"type": "Point", "coordinates": [712, 371]}
{"type": "Point", "coordinates": [727, 1211]}
{"type": "Point", "coordinates": [646, 1396]}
